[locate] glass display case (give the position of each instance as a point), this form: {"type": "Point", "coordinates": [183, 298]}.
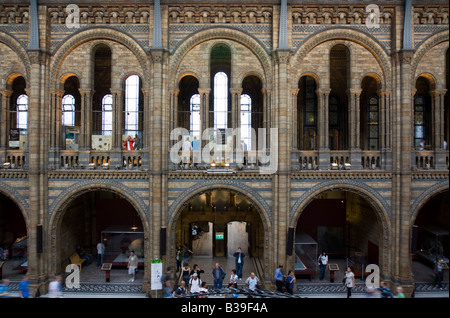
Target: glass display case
{"type": "Point", "coordinates": [306, 254]}
{"type": "Point", "coordinates": [119, 241]}
{"type": "Point", "coordinates": [19, 254]}
{"type": "Point", "coordinates": [432, 244]}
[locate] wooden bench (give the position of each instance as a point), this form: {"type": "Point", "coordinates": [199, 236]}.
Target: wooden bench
{"type": "Point", "coordinates": [77, 260]}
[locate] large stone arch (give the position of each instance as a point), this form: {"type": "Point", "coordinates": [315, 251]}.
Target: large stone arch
{"type": "Point", "coordinates": [17, 198]}
{"type": "Point", "coordinates": [376, 201]}
{"type": "Point", "coordinates": [96, 33]}
{"type": "Point", "coordinates": [423, 48]}
{"type": "Point", "coordinates": [248, 41]}
{"type": "Point", "coordinates": [352, 35]}
{"type": "Point", "coordinates": [21, 51]}
{"type": "Point", "coordinates": [429, 193]}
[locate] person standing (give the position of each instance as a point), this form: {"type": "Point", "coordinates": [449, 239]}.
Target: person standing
{"type": "Point", "coordinates": [349, 281]}
{"type": "Point", "coordinates": [439, 273]}
{"type": "Point", "coordinates": [100, 251]}
{"type": "Point", "coordinates": [197, 270]}
{"type": "Point", "coordinates": [290, 280]}
{"type": "Point", "coordinates": [194, 284]}
{"type": "Point", "coordinates": [136, 142]}
{"type": "Point", "coordinates": [179, 258]}
{"type": "Point", "coordinates": [186, 151]}
{"type": "Point", "coordinates": [323, 261]}
{"type": "Point", "coordinates": [218, 275]}
{"type": "Point", "coordinates": [181, 290]}
{"type": "Point", "coordinates": [54, 288]}
{"type": "Point", "coordinates": [132, 266]}
{"type": "Point", "coordinates": [187, 253]}
{"type": "Point", "coordinates": [184, 273]}
{"type": "Point", "coordinates": [239, 262]}
{"type": "Point", "coordinates": [128, 144]}
{"type": "Point", "coordinates": [400, 293]}
{"type": "Point", "coordinates": [279, 278]}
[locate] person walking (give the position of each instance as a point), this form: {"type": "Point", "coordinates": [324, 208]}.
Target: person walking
{"type": "Point", "coordinates": [218, 275]}
{"type": "Point", "coordinates": [279, 278]}
{"type": "Point", "coordinates": [54, 288]}
{"type": "Point", "coordinates": [400, 293]}
{"type": "Point", "coordinates": [385, 291]}
{"type": "Point", "coordinates": [323, 261]}
{"type": "Point", "coordinates": [166, 282]}
{"type": "Point", "coordinates": [439, 273]}
{"type": "Point", "coordinates": [4, 288]}
{"type": "Point", "coordinates": [132, 266]}
{"type": "Point", "coordinates": [349, 281]}
{"type": "Point", "coordinates": [239, 255]}
{"type": "Point", "coordinates": [24, 287]}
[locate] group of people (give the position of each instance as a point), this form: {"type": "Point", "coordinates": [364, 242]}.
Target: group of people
{"type": "Point", "coordinates": [131, 144]}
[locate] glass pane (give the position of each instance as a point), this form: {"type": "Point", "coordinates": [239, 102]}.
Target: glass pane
{"type": "Point", "coordinates": [310, 119]}
{"type": "Point", "coordinates": [418, 132]}
{"type": "Point", "coordinates": [373, 117]}
{"type": "Point", "coordinates": [333, 118]}
{"type": "Point", "coordinates": [373, 131]}
{"type": "Point", "coordinates": [418, 118]}
{"type": "Point", "coordinates": [309, 105]}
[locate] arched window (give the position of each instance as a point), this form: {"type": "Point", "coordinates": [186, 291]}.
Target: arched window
{"type": "Point", "coordinates": [419, 122]}
{"type": "Point", "coordinates": [132, 104]}
{"type": "Point", "coordinates": [68, 110]}
{"type": "Point", "coordinates": [246, 120]}
{"type": "Point", "coordinates": [220, 101]}
{"type": "Point", "coordinates": [107, 114]}
{"type": "Point", "coordinates": [22, 112]}
{"type": "Point", "coordinates": [195, 115]}
{"type": "Point", "coordinates": [373, 122]}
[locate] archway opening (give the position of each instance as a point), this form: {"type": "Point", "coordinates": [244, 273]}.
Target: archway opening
{"type": "Point", "coordinates": [345, 226]}
{"type": "Point", "coordinates": [100, 217]}
{"type": "Point", "coordinates": [13, 240]}
{"type": "Point", "coordinates": [214, 224]}
{"type": "Point", "coordinates": [430, 237]}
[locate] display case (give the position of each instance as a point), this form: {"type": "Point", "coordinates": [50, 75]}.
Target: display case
{"type": "Point", "coordinates": [306, 254]}
{"type": "Point", "coordinates": [432, 244]}
{"type": "Point", "coordinates": [119, 241]}
{"type": "Point", "coordinates": [19, 254]}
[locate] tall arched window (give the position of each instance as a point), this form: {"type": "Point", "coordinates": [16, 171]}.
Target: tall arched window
{"type": "Point", "coordinates": [246, 120]}
{"type": "Point", "coordinates": [22, 112]}
{"type": "Point", "coordinates": [68, 110]}
{"type": "Point", "coordinates": [373, 122]}
{"type": "Point", "coordinates": [132, 104]}
{"type": "Point", "coordinates": [422, 115]}
{"type": "Point", "coordinates": [107, 115]}
{"type": "Point", "coordinates": [220, 101]}
{"type": "Point", "coordinates": [195, 115]}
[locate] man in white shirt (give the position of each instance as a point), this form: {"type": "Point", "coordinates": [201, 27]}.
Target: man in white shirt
{"type": "Point", "coordinates": [194, 283]}
{"type": "Point", "coordinates": [252, 282]}
{"type": "Point", "coordinates": [323, 261]}
{"type": "Point", "coordinates": [100, 251]}
{"type": "Point", "coordinates": [186, 151]}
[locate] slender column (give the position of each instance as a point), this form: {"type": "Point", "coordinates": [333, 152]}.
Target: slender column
{"type": "Point", "coordinates": [86, 119]}
{"type": "Point", "coordinates": [174, 111]}
{"type": "Point", "coordinates": [267, 115]}
{"type": "Point", "coordinates": [4, 118]}
{"type": "Point", "coordinates": [295, 123]}
{"type": "Point", "coordinates": [147, 123]}
{"type": "Point", "coordinates": [437, 97]}
{"type": "Point", "coordinates": [58, 120]}
{"type": "Point", "coordinates": [236, 112]}
{"type": "Point", "coordinates": [354, 118]}
{"type": "Point", "coordinates": [322, 99]}
{"type": "Point", "coordinates": [204, 111]}
{"type": "Point", "coordinates": [118, 111]}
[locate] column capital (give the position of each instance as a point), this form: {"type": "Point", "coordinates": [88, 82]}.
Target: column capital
{"type": "Point", "coordinates": [86, 91]}
{"type": "Point", "coordinates": [294, 91]}
{"type": "Point", "coordinates": [202, 91]}
{"type": "Point", "coordinates": [354, 91]}
{"type": "Point", "coordinates": [325, 91]}
{"type": "Point", "coordinates": [438, 92]}
{"type": "Point", "coordinates": [236, 91]}
{"type": "Point", "coordinates": [6, 92]}
{"type": "Point", "coordinates": [383, 92]}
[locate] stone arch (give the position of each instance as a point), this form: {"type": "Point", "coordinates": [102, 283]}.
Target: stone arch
{"type": "Point", "coordinates": [423, 198]}
{"type": "Point", "coordinates": [355, 36]}
{"type": "Point", "coordinates": [429, 77]}
{"type": "Point", "coordinates": [96, 33]}
{"type": "Point", "coordinates": [375, 76]}
{"type": "Point", "coordinates": [65, 198]}
{"type": "Point", "coordinates": [424, 47]}
{"type": "Point", "coordinates": [263, 208]}
{"type": "Point", "coordinates": [242, 75]}
{"type": "Point", "coordinates": [17, 198]}
{"type": "Point", "coordinates": [376, 201]}
{"type": "Point", "coordinates": [307, 73]}
{"type": "Point", "coordinates": [21, 51]}
{"type": "Point", "coordinates": [248, 41]}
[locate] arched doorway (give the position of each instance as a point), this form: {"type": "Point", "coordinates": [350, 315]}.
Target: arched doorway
{"type": "Point", "coordinates": [430, 237]}
{"type": "Point", "coordinates": [225, 220]}
{"type": "Point", "coordinates": [344, 224]}
{"type": "Point", "coordinates": [13, 240]}
{"type": "Point", "coordinates": [99, 216]}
